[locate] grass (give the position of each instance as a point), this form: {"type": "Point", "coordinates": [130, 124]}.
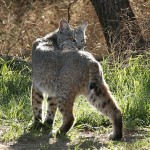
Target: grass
{"type": "Point", "coordinates": [129, 81]}
{"type": "Point", "coordinates": [130, 84]}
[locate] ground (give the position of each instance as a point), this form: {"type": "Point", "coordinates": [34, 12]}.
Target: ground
{"type": "Point", "coordinates": [133, 139]}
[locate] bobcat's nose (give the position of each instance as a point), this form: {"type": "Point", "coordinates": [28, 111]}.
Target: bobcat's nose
{"type": "Point", "coordinates": [79, 47]}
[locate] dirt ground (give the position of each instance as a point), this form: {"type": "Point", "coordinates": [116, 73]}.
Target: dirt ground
{"type": "Point", "coordinates": [84, 140]}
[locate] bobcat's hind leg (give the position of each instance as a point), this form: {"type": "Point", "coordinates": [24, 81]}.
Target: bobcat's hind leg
{"type": "Point", "coordinates": [65, 107]}
{"type": "Point", "coordinates": [103, 100]}
{"type": "Point", "coordinates": [50, 114]}
{"type": "Point", "coordinates": [37, 100]}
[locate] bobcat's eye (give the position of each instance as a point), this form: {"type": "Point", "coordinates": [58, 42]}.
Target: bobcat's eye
{"type": "Point", "coordinates": [82, 41]}
{"type": "Point", "coordinates": [73, 40]}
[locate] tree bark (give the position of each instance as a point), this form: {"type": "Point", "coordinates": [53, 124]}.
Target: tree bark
{"type": "Point", "coordinates": [119, 25]}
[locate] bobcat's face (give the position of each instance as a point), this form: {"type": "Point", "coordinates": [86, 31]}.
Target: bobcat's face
{"type": "Point", "coordinates": [79, 35]}
{"type": "Point", "coordinates": [71, 39]}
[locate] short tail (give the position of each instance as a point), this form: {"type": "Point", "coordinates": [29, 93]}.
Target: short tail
{"type": "Point", "coordinates": [95, 76]}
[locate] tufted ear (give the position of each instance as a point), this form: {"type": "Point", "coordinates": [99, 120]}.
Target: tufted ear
{"type": "Point", "coordinates": [63, 25]}
{"type": "Point", "coordinates": [83, 26]}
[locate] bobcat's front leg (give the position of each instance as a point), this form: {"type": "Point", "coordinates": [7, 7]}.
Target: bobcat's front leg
{"type": "Point", "coordinates": [65, 106]}
{"type": "Point", "coordinates": [37, 100]}
{"type": "Point", "coordinates": [50, 114]}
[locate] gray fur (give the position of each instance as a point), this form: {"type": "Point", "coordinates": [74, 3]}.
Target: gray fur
{"type": "Point", "coordinates": [63, 75]}
{"type": "Point", "coordinates": [63, 36]}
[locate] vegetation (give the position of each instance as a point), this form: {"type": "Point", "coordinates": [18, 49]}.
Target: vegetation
{"type": "Point", "coordinates": [128, 78]}
{"type": "Point", "coordinates": [129, 81]}
{"type": "Point", "coordinates": [23, 21]}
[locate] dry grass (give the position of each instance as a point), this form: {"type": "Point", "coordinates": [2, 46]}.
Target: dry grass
{"type": "Point", "coordinates": [23, 21]}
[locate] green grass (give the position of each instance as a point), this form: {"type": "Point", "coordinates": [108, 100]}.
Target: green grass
{"type": "Point", "coordinates": [129, 82]}
{"type": "Point", "coordinates": [14, 100]}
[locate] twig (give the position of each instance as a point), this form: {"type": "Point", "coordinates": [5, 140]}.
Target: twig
{"type": "Point", "coordinates": [68, 9]}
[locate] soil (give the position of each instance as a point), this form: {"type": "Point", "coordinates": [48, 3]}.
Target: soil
{"type": "Point", "coordinates": [84, 140]}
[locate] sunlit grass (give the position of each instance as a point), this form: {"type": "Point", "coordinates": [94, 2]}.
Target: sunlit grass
{"type": "Point", "coordinates": [129, 82]}
{"type": "Point", "coordinates": [15, 111]}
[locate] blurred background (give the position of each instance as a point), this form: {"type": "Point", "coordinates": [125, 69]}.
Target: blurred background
{"type": "Point", "coordinates": [22, 21]}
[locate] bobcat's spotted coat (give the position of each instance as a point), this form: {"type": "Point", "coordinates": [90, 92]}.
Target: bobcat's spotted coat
{"type": "Point", "coordinates": [63, 75]}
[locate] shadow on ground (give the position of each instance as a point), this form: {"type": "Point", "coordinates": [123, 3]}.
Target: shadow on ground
{"type": "Point", "coordinates": [84, 140]}
{"type": "Point", "coordinates": [34, 141]}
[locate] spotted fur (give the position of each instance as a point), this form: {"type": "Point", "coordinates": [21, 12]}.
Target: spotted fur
{"type": "Point", "coordinates": [65, 75]}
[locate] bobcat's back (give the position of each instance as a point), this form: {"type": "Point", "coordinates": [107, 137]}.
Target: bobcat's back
{"type": "Point", "coordinates": [63, 75]}
{"type": "Point", "coordinates": [55, 71]}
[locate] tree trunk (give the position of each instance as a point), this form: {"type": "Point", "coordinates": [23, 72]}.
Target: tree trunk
{"type": "Point", "coordinates": [119, 24]}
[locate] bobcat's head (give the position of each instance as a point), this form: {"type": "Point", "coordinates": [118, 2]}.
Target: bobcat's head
{"type": "Point", "coordinates": [79, 35]}
{"type": "Point", "coordinates": [71, 39]}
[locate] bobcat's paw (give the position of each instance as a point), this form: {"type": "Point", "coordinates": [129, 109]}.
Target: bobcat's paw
{"type": "Point", "coordinates": [53, 134]}
{"type": "Point", "coordinates": [47, 126]}
{"type": "Point", "coordinates": [56, 133]}
{"type": "Point", "coordinates": [115, 137]}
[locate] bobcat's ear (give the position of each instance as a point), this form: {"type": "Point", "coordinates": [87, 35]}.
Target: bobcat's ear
{"type": "Point", "coordinates": [83, 26]}
{"type": "Point", "coordinates": [63, 24]}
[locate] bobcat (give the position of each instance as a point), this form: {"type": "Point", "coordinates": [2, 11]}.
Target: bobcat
{"type": "Point", "coordinates": [59, 38]}
{"type": "Point", "coordinates": [63, 75]}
